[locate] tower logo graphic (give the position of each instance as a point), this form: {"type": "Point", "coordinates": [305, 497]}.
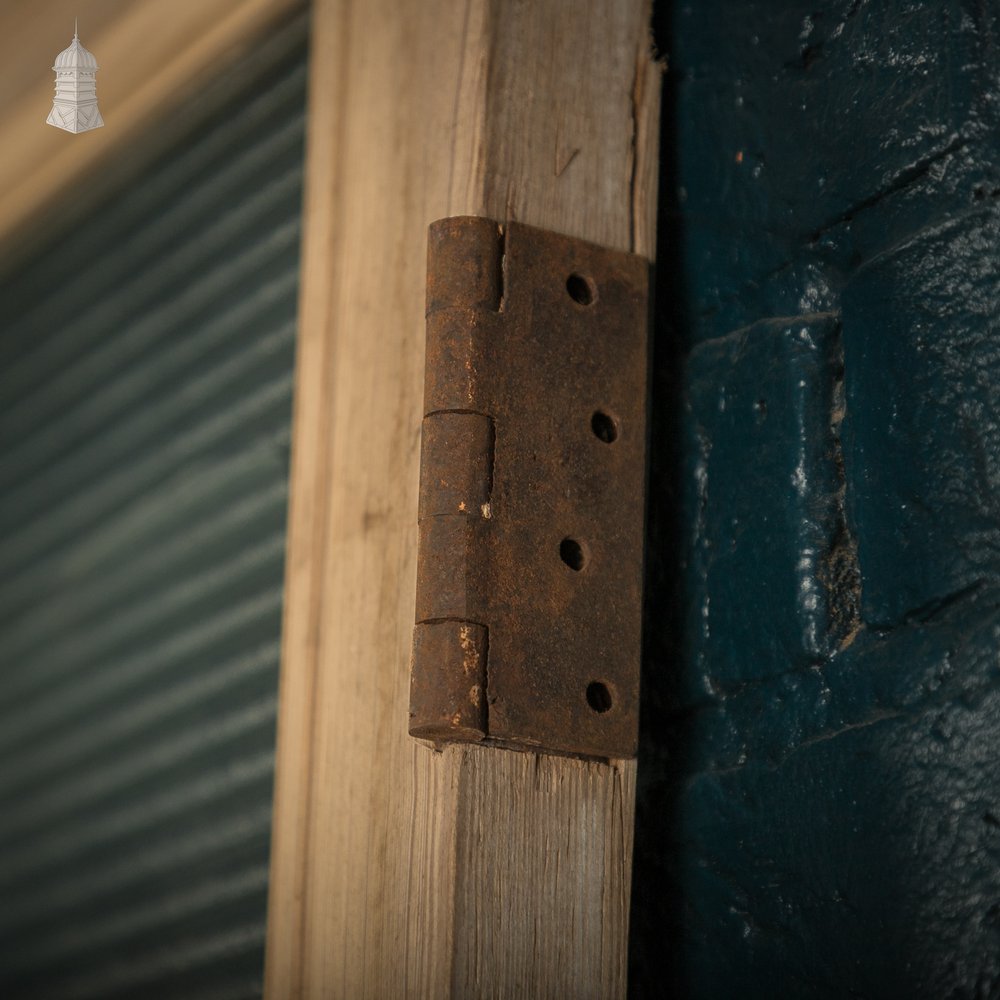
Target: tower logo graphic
{"type": "Point", "coordinates": [75, 106]}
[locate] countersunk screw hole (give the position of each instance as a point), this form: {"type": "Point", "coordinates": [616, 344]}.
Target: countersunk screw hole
{"type": "Point", "coordinates": [598, 697]}
{"type": "Point", "coordinates": [604, 427]}
{"type": "Point", "coordinates": [571, 552]}
{"type": "Point", "coordinates": [581, 289]}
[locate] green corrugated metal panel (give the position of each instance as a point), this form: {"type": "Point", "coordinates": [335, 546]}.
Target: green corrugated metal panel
{"type": "Point", "coordinates": [145, 399]}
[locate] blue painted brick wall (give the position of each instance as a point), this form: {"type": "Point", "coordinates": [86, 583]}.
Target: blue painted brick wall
{"type": "Point", "coordinates": [819, 809]}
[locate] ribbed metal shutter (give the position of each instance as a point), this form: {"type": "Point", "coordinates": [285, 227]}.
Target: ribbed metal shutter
{"type": "Point", "coordinates": [145, 398]}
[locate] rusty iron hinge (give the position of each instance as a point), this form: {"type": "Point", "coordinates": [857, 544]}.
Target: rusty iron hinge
{"type": "Point", "coordinates": [532, 483]}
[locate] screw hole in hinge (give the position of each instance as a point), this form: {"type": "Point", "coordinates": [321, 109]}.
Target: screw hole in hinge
{"type": "Point", "coordinates": [598, 697]}
{"type": "Point", "coordinates": [571, 552]}
{"type": "Point", "coordinates": [604, 427]}
{"type": "Point", "coordinates": [581, 289]}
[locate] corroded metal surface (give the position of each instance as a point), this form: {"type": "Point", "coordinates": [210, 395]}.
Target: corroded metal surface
{"type": "Point", "coordinates": [532, 492]}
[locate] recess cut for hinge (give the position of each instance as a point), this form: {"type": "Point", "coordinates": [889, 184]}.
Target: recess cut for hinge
{"type": "Point", "coordinates": [529, 581]}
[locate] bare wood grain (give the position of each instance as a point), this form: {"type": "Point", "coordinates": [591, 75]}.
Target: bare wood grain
{"type": "Point", "coordinates": [152, 56]}
{"type": "Point", "coordinates": [398, 870]}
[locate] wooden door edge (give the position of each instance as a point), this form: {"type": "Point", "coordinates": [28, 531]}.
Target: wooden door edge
{"type": "Point", "coordinates": [398, 870]}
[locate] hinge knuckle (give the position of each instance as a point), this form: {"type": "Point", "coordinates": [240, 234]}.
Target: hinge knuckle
{"type": "Point", "coordinates": [456, 464]}
{"type": "Point", "coordinates": [450, 581]}
{"type": "Point", "coordinates": [464, 258]}
{"type": "Point", "coordinates": [464, 288]}
{"type": "Point", "coordinates": [448, 681]}
{"type": "Point", "coordinates": [453, 360]}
